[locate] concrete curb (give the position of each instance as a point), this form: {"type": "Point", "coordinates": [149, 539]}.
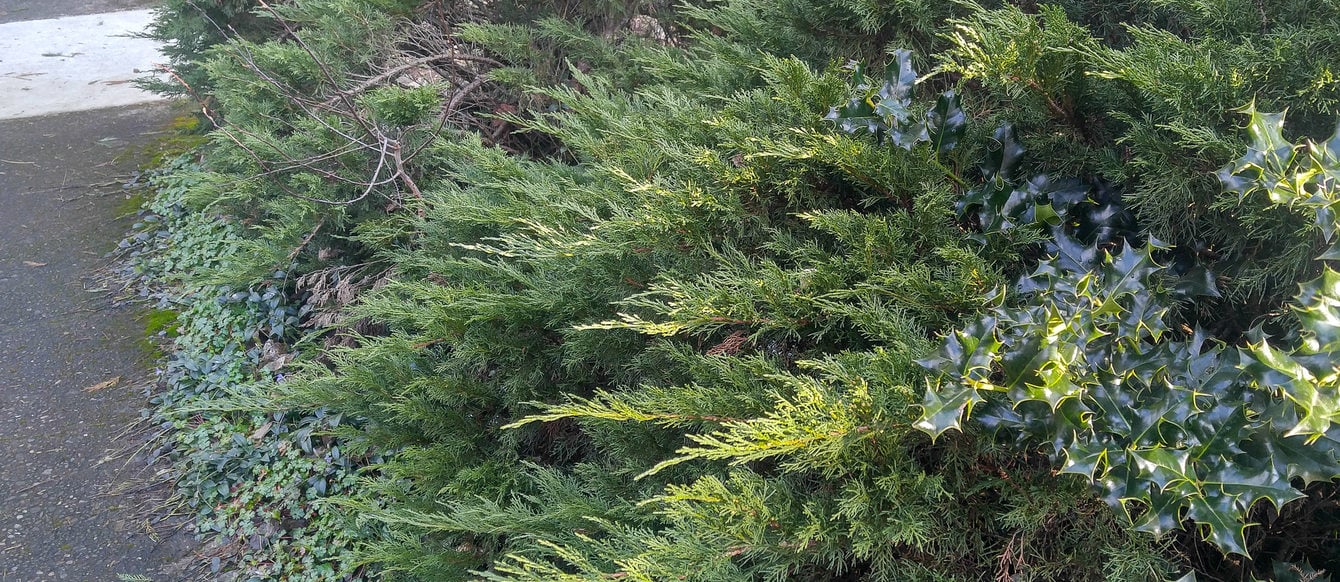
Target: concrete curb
{"type": "Point", "coordinates": [76, 63]}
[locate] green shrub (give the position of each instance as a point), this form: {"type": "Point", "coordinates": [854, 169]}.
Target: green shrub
{"type": "Point", "coordinates": [651, 305]}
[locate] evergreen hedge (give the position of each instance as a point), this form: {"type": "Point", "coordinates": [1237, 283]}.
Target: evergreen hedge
{"type": "Point", "coordinates": [611, 290]}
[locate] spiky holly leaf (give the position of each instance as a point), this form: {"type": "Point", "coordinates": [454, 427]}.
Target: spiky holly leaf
{"type": "Point", "coordinates": [890, 113]}
{"type": "Point", "coordinates": [1003, 158]}
{"type": "Point", "coordinates": [1275, 369]}
{"type": "Point", "coordinates": [946, 121]}
{"type": "Point", "coordinates": [944, 407]}
{"type": "Point", "coordinates": [965, 360]}
{"type": "Point", "coordinates": [1282, 571]}
{"type": "Point", "coordinates": [1071, 254]}
{"type": "Point", "coordinates": [1163, 422]}
{"type": "Point", "coordinates": [895, 102]}
{"type": "Point", "coordinates": [967, 354]}
{"type": "Point", "coordinates": [1221, 517]}
{"type": "Point", "coordinates": [1162, 513]}
{"type": "Point", "coordinates": [1163, 465]}
{"type": "Point", "coordinates": [1084, 458]}
{"type": "Point", "coordinates": [1331, 254]}
{"type": "Point", "coordinates": [1318, 310]}
{"type": "Point", "coordinates": [1294, 456]}
{"type": "Point", "coordinates": [1250, 485]}
{"type": "Point", "coordinates": [856, 116]}
{"type": "Point", "coordinates": [1197, 282]}
{"type": "Point", "coordinates": [1268, 148]}
{"type": "Point", "coordinates": [899, 76]}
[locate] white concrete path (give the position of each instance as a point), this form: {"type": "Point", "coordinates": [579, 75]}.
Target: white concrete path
{"type": "Point", "coordinates": [76, 63]}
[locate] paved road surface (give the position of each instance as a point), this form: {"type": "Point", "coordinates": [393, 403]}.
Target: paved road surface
{"type": "Point", "coordinates": [59, 189]}
{"type": "Point", "coordinates": [60, 181]}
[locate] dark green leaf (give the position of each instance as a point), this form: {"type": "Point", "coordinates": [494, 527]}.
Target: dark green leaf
{"type": "Point", "coordinates": [946, 121]}
{"type": "Point", "coordinates": [1221, 517]}
{"type": "Point", "coordinates": [1003, 158]}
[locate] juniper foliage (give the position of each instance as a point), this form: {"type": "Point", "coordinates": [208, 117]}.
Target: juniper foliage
{"type": "Point", "coordinates": [653, 306]}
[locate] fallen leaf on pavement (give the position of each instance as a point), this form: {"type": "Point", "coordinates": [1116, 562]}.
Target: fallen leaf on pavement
{"type": "Point", "coordinates": [102, 385]}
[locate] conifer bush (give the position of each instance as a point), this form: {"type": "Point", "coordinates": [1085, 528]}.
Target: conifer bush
{"type": "Point", "coordinates": [610, 290]}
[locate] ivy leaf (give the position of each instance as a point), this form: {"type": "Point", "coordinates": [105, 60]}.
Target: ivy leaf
{"type": "Point", "coordinates": [1220, 516]}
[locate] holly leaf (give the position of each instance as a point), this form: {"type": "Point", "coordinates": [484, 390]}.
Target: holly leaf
{"type": "Point", "coordinates": [1066, 195]}
{"type": "Point", "coordinates": [1294, 456]}
{"type": "Point", "coordinates": [1003, 157]}
{"type": "Point", "coordinates": [1197, 282]}
{"type": "Point", "coordinates": [1161, 513]}
{"type": "Point", "coordinates": [1318, 310]}
{"type": "Point", "coordinates": [899, 77]}
{"type": "Point", "coordinates": [946, 121]}
{"type": "Point", "coordinates": [1071, 254]}
{"type": "Point", "coordinates": [964, 361]}
{"type": "Point", "coordinates": [944, 407]}
{"type": "Point", "coordinates": [1084, 458]}
{"type": "Point", "coordinates": [1129, 270]}
{"type": "Point", "coordinates": [1250, 486]}
{"type": "Point", "coordinates": [1220, 516]}
{"type": "Point", "coordinates": [1331, 254]}
{"type": "Point", "coordinates": [857, 115]}
{"type": "Point", "coordinates": [1268, 149]}
{"type": "Point", "coordinates": [1166, 467]}
{"type": "Point", "coordinates": [906, 134]}
{"type": "Point", "coordinates": [967, 354]}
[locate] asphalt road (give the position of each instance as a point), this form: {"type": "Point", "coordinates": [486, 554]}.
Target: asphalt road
{"type": "Point", "coordinates": [60, 335]}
